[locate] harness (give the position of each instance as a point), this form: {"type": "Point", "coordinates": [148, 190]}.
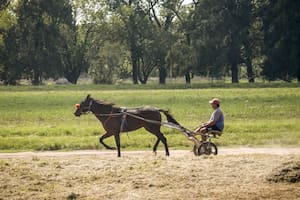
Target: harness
{"type": "Point", "coordinates": [124, 113]}
{"type": "Point", "coordinates": [111, 115]}
{"type": "Point", "coordinates": [123, 119]}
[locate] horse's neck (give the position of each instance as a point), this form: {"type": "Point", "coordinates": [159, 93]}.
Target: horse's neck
{"type": "Point", "coordinates": [102, 112]}
{"type": "Point", "coordinates": [101, 109]}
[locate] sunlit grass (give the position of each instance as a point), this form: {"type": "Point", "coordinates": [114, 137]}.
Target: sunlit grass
{"type": "Point", "coordinates": [43, 119]}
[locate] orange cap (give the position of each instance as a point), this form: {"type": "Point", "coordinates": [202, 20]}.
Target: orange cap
{"type": "Point", "coordinates": [215, 101]}
{"type": "Point", "coordinates": [77, 105]}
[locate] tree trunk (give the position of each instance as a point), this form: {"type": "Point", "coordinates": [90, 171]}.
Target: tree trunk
{"type": "Point", "coordinates": [134, 60]}
{"type": "Point", "coordinates": [248, 59]}
{"type": "Point", "coordinates": [187, 77]}
{"type": "Point", "coordinates": [298, 74]}
{"type": "Point", "coordinates": [250, 74]}
{"type": "Point", "coordinates": [234, 72]}
{"type": "Point", "coordinates": [233, 57]}
{"type": "Point", "coordinates": [143, 81]}
{"type": "Point", "coordinates": [36, 80]}
{"type": "Point", "coordinates": [162, 75]}
{"type": "Point", "coordinates": [72, 78]}
{"type": "Point", "coordinates": [134, 71]}
{"type": "Point", "coordinates": [143, 78]}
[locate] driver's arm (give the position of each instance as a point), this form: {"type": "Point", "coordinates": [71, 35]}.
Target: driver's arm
{"type": "Point", "coordinates": [214, 121]}
{"type": "Point", "coordinates": [211, 123]}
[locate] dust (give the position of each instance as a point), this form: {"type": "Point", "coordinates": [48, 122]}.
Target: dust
{"type": "Point", "coordinates": [288, 172]}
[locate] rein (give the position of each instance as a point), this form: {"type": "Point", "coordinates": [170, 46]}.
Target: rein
{"type": "Point", "coordinates": [166, 124]}
{"type": "Point", "coordinates": [122, 113]}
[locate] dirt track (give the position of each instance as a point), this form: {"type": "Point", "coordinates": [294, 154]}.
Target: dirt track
{"type": "Point", "coordinates": [239, 173]}
{"type": "Point", "coordinates": [222, 151]}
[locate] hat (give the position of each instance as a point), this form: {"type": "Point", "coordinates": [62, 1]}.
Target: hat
{"type": "Point", "coordinates": [215, 101]}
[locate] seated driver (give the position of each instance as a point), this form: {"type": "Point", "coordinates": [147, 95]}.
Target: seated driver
{"type": "Point", "coordinates": [216, 121]}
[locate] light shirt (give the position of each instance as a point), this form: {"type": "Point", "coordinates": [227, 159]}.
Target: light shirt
{"type": "Point", "coordinates": [218, 117]}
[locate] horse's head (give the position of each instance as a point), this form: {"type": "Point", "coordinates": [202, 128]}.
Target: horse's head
{"type": "Point", "coordinates": [84, 106]}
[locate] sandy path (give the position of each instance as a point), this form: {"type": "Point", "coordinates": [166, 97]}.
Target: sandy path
{"type": "Point", "coordinates": [174, 153]}
{"type": "Point", "coordinates": [236, 173]}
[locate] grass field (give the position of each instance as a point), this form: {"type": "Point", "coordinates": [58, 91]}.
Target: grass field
{"type": "Point", "coordinates": [41, 118]}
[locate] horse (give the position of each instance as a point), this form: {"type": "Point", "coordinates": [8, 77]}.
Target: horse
{"type": "Point", "coordinates": [117, 119]}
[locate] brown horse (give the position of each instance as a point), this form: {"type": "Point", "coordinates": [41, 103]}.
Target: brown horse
{"type": "Point", "coordinates": [116, 120]}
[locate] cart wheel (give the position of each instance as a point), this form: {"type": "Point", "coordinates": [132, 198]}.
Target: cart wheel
{"type": "Point", "coordinates": [196, 150]}
{"type": "Point", "coordinates": [207, 148]}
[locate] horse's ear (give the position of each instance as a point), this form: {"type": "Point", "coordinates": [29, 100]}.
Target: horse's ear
{"type": "Point", "coordinates": [88, 96]}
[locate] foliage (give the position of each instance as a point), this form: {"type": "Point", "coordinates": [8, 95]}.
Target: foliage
{"type": "Point", "coordinates": [73, 51]}
{"type": "Point", "coordinates": [108, 62]}
{"type": "Point", "coordinates": [238, 38]}
{"type": "Point", "coordinates": [38, 35]}
{"type": "Point", "coordinates": [220, 30]}
{"type": "Point", "coordinates": [281, 30]}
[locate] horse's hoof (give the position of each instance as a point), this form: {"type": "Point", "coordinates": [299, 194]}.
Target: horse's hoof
{"type": "Point", "coordinates": [112, 148]}
{"type": "Point", "coordinates": [154, 153]}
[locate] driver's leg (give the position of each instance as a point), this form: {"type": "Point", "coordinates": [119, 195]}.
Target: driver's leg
{"type": "Point", "coordinates": [203, 130]}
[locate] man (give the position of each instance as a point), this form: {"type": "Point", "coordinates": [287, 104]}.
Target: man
{"type": "Point", "coordinates": [216, 121]}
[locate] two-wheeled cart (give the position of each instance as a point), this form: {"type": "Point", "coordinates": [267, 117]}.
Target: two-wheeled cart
{"type": "Point", "coordinates": [200, 148]}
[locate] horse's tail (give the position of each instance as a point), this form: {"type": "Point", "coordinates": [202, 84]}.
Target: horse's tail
{"type": "Point", "coordinates": [170, 118]}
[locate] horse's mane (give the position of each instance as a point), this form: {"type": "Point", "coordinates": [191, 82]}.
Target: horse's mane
{"type": "Point", "coordinates": [104, 103]}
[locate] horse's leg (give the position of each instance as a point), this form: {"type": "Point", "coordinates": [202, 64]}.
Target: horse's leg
{"type": "Point", "coordinates": [160, 137]}
{"type": "Point", "coordinates": [155, 145]}
{"type": "Point", "coordinates": [117, 138]}
{"type": "Point", "coordinates": [106, 135]}
{"type": "Point", "coordinates": [164, 141]}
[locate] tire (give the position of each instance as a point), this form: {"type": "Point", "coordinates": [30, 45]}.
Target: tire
{"type": "Point", "coordinates": [196, 150]}
{"type": "Point", "coordinates": [207, 148]}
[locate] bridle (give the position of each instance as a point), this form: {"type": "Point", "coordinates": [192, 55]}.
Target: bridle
{"type": "Point", "coordinates": [90, 105]}
{"type": "Point", "coordinates": [89, 108]}
{"type": "Point", "coordinates": [109, 116]}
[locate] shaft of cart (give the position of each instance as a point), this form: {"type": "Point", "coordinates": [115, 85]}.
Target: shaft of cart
{"type": "Point", "coordinates": [188, 133]}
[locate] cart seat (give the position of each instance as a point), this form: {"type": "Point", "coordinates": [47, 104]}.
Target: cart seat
{"type": "Point", "coordinates": [215, 133]}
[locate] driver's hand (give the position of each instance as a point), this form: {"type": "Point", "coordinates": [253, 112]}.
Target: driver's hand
{"type": "Point", "coordinates": [203, 124]}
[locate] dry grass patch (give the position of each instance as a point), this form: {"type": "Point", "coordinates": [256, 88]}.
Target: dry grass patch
{"type": "Point", "coordinates": [144, 176]}
{"type": "Point", "coordinates": [288, 172]}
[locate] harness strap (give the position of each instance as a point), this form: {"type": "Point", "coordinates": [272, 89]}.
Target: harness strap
{"type": "Point", "coordinates": [108, 118]}
{"type": "Point", "coordinates": [123, 122]}
{"type": "Point", "coordinates": [124, 111]}
{"type": "Point", "coordinates": [90, 105]}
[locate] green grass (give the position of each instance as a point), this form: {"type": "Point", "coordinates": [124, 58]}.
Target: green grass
{"type": "Point", "coordinates": [41, 118]}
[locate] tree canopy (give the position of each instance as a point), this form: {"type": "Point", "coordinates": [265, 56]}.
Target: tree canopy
{"type": "Point", "coordinates": [137, 39]}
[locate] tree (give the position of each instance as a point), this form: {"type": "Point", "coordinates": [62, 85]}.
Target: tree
{"type": "Point", "coordinates": [107, 63]}
{"type": "Point", "coordinates": [131, 15]}
{"type": "Point", "coordinates": [147, 23]}
{"type": "Point", "coordinates": [224, 32]}
{"type": "Point", "coordinates": [181, 60]}
{"type": "Point", "coordinates": [168, 12]}
{"type": "Point", "coordinates": [281, 39]}
{"type": "Point", "coordinates": [4, 4]}
{"type": "Point", "coordinates": [10, 69]}
{"type": "Point", "coordinates": [37, 25]}
{"type": "Point", "coordinates": [73, 50]}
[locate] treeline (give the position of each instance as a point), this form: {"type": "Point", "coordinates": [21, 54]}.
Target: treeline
{"type": "Point", "coordinates": [118, 39]}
